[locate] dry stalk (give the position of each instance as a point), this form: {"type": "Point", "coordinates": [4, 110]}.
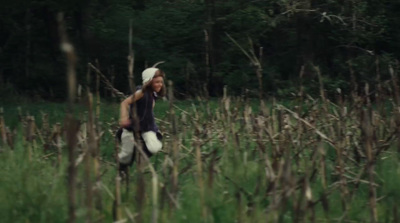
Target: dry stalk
{"type": "Point", "coordinates": [112, 74]}
{"type": "Point", "coordinates": [90, 156]}
{"type": "Point", "coordinates": [325, 101]}
{"type": "Point", "coordinates": [96, 165]}
{"type": "Point", "coordinates": [211, 170]}
{"type": "Point", "coordinates": [97, 95]}
{"type": "Point", "coordinates": [3, 132]}
{"type": "Point", "coordinates": [138, 145]}
{"type": "Point", "coordinates": [321, 87]}
{"type": "Point", "coordinates": [72, 125]}
{"type": "Point", "coordinates": [287, 179]}
{"type": "Point", "coordinates": [131, 59]}
{"type": "Point", "coordinates": [69, 51]}
{"type": "Point", "coordinates": [379, 89]}
{"type": "Point", "coordinates": [117, 212]}
{"type": "Point", "coordinates": [256, 62]}
{"type": "Point", "coordinates": [343, 183]}
{"type": "Point", "coordinates": [88, 184]}
{"type": "Point", "coordinates": [72, 128]}
{"type": "Point", "coordinates": [322, 152]}
{"type": "Point", "coordinates": [397, 118]}
{"type": "Point", "coordinates": [353, 82]}
{"type": "Point", "coordinates": [200, 178]}
{"type": "Point", "coordinates": [154, 183]}
{"type": "Point", "coordinates": [301, 88]}
{"type": "Point", "coordinates": [140, 188]}
{"type": "Point", "coordinates": [396, 216]}
{"type": "Point", "coordinates": [296, 116]}
{"type": "Point", "coordinates": [108, 84]}
{"type": "Point", "coordinates": [88, 79]}
{"type": "Point", "coordinates": [239, 208]}
{"type": "Point", "coordinates": [395, 85]}
{"type": "Point", "coordinates": [30, 135]}
{"type": "Point", "coordinates": [10, 139]}
{"type": "Point", "coordinates": [45, 137]}
{"type": "Point", "coordinates": [368, 134]}
{"type": "Point", "coordinates": [175, 140]}
{"type": "Point", "coordinates": [356, 182]}
{"type": "Point", "coordinates": [207, 59]}
{"type": "Point", "coordinates": [56, 137]}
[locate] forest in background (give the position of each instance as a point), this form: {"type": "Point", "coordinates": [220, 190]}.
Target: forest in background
{"type": "Point", "coordinates": [351, 42]}
{"type": "Point", "coordinates": [227, 159]}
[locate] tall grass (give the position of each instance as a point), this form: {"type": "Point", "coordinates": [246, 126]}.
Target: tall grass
{"type": "Point", "coordinates": [225, 160]}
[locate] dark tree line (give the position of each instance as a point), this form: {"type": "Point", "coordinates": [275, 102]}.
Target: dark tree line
{"type": "Point", "coordinates": [340, 37]}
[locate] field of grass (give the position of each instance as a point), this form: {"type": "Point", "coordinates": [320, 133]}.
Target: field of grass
{"type": "Point", "coordinates": [224, 160]}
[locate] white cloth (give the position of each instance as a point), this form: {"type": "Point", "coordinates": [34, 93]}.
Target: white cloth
{"type": "Point", "coordinates": [127, 144]}
{"type": "Point", "coordinates": [148, 74]}
{"type": "Point", "coordinates": [153, 144]}
{"type": "Point", "coordinates": [128, 141]}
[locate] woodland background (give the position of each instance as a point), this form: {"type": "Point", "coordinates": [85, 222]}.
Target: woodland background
{"type": "Point", "coordinates": [345, 39]}
{"type": "Point", "coordinates": [307, 130]}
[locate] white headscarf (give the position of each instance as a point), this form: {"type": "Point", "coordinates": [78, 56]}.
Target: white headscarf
{"type": "Point", "coordinates": [148, 74]}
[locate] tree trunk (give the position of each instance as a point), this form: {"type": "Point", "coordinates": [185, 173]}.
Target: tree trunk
{"type": "Point", "coordinates": [210, 57]}
{"type": "Point", "coordinates": [28, 42]}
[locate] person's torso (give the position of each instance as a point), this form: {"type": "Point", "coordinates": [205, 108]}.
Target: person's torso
{"type": "Point", "coordinates": [144, 112]}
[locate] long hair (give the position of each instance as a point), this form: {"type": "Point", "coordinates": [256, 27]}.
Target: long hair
{"type": "Point", "coordinates": [163, 91]}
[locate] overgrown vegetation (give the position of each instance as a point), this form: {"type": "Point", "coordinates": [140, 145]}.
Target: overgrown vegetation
{"type": "Point", "coordinates": [320, 144]}
{"type": "Point", "coordinates": [223, 161]}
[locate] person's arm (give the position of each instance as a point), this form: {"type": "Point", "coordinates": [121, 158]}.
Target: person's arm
{"type": "Point", "coordinates": [124, 109]}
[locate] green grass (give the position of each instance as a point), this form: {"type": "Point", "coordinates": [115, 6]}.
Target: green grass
{"type": "Point", "coordinates": [31, 191]}
{"type": "Point", "coordinates": [36, 190]}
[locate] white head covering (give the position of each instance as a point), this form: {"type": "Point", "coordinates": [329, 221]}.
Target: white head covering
{"type": "Point", "coordinates": [148, 74]}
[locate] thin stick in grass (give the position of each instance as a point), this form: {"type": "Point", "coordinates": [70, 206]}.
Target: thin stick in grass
{"type": "Point", "coordinates": [3, 132]}
{"type": "Point", "coordinates": [29, 135]}
{"type": "Point", "coordinates": [90, 167]}
{"type": "Point", "coordinates": [117, 211]}
{"type": "Point", "coordinates": [72, 125]}
{"type": "Point", "coordinates": [200, 178]}
{"type": "Point", "coordinates": [395, 85]}
{"type": "Point", "coordinates": [175, 146]}
{"type": "Point", "coordinates": [367, 132]}
{"type": "Point", "coordinates": [10, 138]}
{"type": "Point", "coordinates": [154, 184]}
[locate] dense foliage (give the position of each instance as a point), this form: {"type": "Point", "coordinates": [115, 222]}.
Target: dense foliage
{"type": "Point", "coordinates": [338, 36]}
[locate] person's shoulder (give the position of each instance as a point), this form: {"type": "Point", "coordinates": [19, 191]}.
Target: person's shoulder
{"type": "Point", "coordinates": [138, 95]}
